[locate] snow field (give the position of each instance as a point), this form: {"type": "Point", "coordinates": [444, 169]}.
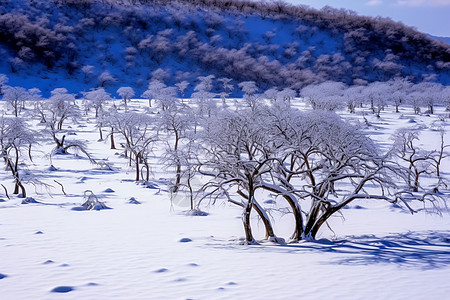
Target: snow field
{"type": "Point", "coordinates": [153, 250]}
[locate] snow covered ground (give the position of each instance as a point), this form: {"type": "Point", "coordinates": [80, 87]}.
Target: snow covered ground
{"type": "Point", "coordinates": [151, 250]}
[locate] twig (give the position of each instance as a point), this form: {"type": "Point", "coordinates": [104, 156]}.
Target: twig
{"type": "Point", "coordinates": [62, 187]}
{"type": "Point", "coordinates": [6, 192]}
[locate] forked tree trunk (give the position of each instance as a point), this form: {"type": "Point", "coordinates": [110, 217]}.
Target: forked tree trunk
{"type": "Point", "coordinates": [312, 219]}
{"type": "Point", "coordinates": [270, 234]}
{"type": "Point", "coordinates": [297, 235]}
{"type": "Point", "coordinates": [15, 172]}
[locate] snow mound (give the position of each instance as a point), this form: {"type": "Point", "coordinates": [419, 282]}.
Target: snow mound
{"type": "Point", "coordinates": [133, 200]}
{"type": "Point", "coordinates": [29, 200]}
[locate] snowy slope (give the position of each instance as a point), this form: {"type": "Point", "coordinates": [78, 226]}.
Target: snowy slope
{"type": "Point", "coordinates": [47, 44]}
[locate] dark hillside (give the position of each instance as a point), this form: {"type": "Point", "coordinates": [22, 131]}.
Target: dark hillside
{"type": "Point", "coordinates": [79, 43]}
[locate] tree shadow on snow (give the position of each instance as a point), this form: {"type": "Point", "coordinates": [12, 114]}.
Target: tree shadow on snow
{"type": "Point", "coordinates": [425, 250]}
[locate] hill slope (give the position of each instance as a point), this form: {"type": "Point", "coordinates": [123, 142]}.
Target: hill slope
{"type": "Point", "coordinates": [70, 43]}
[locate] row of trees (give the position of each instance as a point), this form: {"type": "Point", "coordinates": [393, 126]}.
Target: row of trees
{"type": "Point", "coordinates": [314, 162]}
{"type": "Point", "coordinates": [327, 95]}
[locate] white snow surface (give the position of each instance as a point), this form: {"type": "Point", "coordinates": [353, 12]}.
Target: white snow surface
{"type": "Point", "coordinates": [153, 250]}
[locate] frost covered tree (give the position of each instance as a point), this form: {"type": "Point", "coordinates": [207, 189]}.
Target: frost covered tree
{"type": "Point", "coordinates": [176, 122]}
{"type": "Point", "coordinates": [336, 161]}
{"type": "Point", "coordinates": [315, 161]}
{"type": "Point", "coordinates": [415, 100]}
{"type": "Point", "coordinates": [324, 96]}
{"type": "Point", "coordinates": [126, 93]}
{"type": "Point", "coordinates": [61, 105]}
{"type": "Point", "coordinates": [429, 93]}
{"type": "Point", "coordinates": [399, 87]}
{"type": "Point", "coordinates": [377, 94]}
{"type": "Point", "coordinates": [167, 98]}
{"type": "Point", "coordinates": [88, 72]}
{"type": "Point", "coordinates": [15, 96]}
{"type": "Point", "coordinates": [235, 147]}
{"type": "Point", "coordinates": [15, 138]}
{"type": "Point", "coordinates": [139, 135]}
{"type": "Point", "coordinates": [249, 88]}
{"type": "Point", "coordinates": [3, 80]}
{"type": "Point", "coordinates": [154, 88]}
{"type": "Point", "coordinates": [446, 98]}
{"type": "Point", "coordinates": [286, 95]}
{"type": "Point", "coordinates": [271, 94]}
{"type": "Point", "coordinates": [54, 113]}
{"type": "Point", "coordinates": [203, 95]}
{"type": "Point", "coordinates": [353, 96]}
{"type": "Point", "coordinates": [105, 78]}
{"type": "Point", "coordinates": [97, 98]}
{"type": "Point", "coordinates": [227, 88]}
{"type": "Point", "coordinates": [419, 161]}
{"type": "Point", "coordinates": [182, 86]}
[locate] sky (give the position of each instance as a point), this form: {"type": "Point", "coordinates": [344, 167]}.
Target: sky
{"type": "Point", "coordinates": [428, 16]}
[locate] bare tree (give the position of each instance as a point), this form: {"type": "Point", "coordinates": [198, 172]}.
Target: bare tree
{"type": "Point", "coordinates": [227, 88]}
{"type": "Point", "coordinates": [182, 86]}
{"type": "Point", "coordinates": [126, 93]}
{"type": "Point", "coordinates": [315, 161]}
{"type": "Point", "coordinates": [325, 96]}
{"type": "Point", "coordinates": [203, 95]}
{"type": "Point", "coordinates": [137, 130]}
{"type": "Point", "coordinates": [441, 152]}
{"type": "Point", "coordinates": [15, 96]}
{"type": "Point", "coordinates": [154, 88]}
{"type": "Point", "coordinates": [14, 138]}
{"type": "Point", "coordinates": [379, 94]}
{"type": "Point", "coordinates": [88, 72]}
{"type": "Point", "coordinates": [97, 99]}
{"type": "Point", "coordinates": [3, 80]}
{"type": "Point", "coordinates": [249, 88]}
{"type": "Point", "coordinates": [400, 87]}
{"type": "Point", "coordinates": [54, 112]}
{"type": "Point", "coordinates": [236, 158]}
{"type": "Point", "coordinates": [105, 78]}
{"type": "Point", "coordinates": [176, 122]}
{"type": "Point", "coordinates": [419, 161]}
{"type": "Point", "coordinates": [429, 93]}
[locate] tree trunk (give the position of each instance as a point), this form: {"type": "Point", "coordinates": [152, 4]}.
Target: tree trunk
{"type": "Point", "coordinates": [178, 178]}
{"type": "Point", "coordinates": [270, 235]}
{"type": "Point", "coordinates": [315, 228]}
{"type": "Point", "coordinates": [246, 222]}
{"type": "Point", "coordinates": [297, 235]}
{"type": "Point", "coordinates": [101, 132]}
{"type": "Point", "coordinates": [416, 181]}
{"type": "Point", "coordinates": [312, 219]}
{"type": "Point", "coordinates": [113, 144]}
{"type": "Point", "coordinates": [137, 167]}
